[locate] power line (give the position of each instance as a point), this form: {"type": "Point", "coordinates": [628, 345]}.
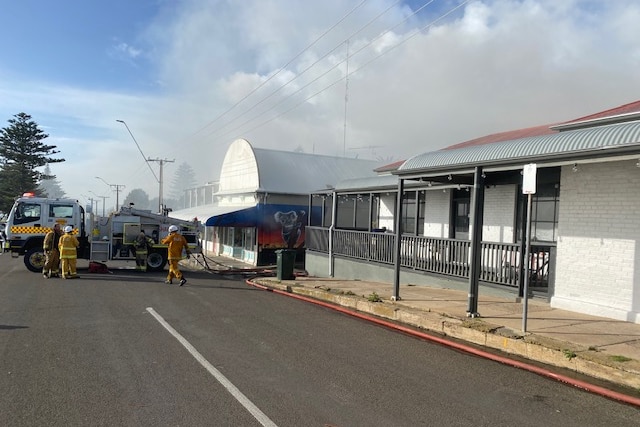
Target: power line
{"type": "Point", "coordinates": [300, 74]}
{"type": "Point", "coordinates": [344, 77]}
{"type": "Point", "coordinates": [281, 69]}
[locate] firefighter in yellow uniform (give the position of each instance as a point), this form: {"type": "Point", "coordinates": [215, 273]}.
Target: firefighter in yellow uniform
{"type": "Point", "coordinates": [177, 243]}
{"type": "Point", "coordinates": [142, 245]}
{"type": "Point", "coordinates": [68, 253]}
{"type": "Point", "coordinates": [51, 252]}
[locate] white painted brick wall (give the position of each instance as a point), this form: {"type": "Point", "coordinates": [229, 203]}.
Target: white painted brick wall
{"type": "Point", "coordinates": [598, 261]}
{"type": "Point", "coordinates": [385, 218]}
{"type": "Point", "coordinates": [436, 215]}
{"type": "Point", "coordinates": [499, 214]}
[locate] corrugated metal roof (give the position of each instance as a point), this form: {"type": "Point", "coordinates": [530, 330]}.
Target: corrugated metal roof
{"type": "Point", "coordinates": [378, 182]}
{"type": "Point", "coordinates": [544, 147]}
{"type": "Point", "coordinates": [301, 173]}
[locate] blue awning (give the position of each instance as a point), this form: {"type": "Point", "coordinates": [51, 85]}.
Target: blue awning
{"type": "Point", "coordinates": [238, 217]}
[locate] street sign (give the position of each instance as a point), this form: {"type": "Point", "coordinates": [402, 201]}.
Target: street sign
{"type": "Point", "coordinates": [529, 179]}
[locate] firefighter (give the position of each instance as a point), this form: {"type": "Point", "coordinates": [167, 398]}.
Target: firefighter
{"type": "Point", "coordinates": [142, 245]}
{"type": "Point", "coordinates": [51, 252]}
{"type": "Point", "coordinates": [68, 253]}
{"type": "Point", "coordinates": [3, 238]}
{"type": "Point", "coordinates": [177, 243]}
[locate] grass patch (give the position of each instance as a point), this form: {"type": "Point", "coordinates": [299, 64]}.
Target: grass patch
{"type": "Point", "coordinates": [621, 358]}
{"type": "Point", "coordinates": [374, 297]}
{"type": "Point", "coordinates": [569, 354]}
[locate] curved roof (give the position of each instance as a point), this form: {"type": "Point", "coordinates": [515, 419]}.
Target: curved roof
{"type": "Point", "coordinates": [603, 140]}
{"type": "Point", "coordinates": [248, 169]}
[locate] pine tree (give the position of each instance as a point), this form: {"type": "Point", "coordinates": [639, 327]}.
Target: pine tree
{"type": "Point", "coordinates": [49, 186]}
{"type": "Point", "coordinates": [21, 152]}
{"type": "Point", "coordinates": [183, 179]}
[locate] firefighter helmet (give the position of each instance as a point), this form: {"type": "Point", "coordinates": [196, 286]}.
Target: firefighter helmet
{"type": "Point", "coordinates": [172, 228]}
{"type": "Point", "coordinates": [68, 229]}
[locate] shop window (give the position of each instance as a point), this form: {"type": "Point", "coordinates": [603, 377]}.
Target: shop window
{"type": "Point", "coordinates": [413, 208]}
{"type": "Point", "coordinates": [545, 205]}
{"type": "Point", "coordinates": [460, 210]}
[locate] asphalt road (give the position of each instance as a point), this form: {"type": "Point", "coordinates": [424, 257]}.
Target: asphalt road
{"type": "Point", "coordinates": [128, 350]}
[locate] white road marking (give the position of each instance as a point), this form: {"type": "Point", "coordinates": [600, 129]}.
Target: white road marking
{"type": "Point", "coordinates": [237, 394]}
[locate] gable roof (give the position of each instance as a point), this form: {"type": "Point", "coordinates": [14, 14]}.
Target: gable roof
{"type": "Point", "coordinates": [591, 142]}
{"type": "Point", "coordinates": [547, 129]}
{"type": "Point", "coordinates": [529, 132]}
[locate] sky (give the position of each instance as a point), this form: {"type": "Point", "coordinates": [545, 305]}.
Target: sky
{"type": "Point", "coordinates": [373, 79]}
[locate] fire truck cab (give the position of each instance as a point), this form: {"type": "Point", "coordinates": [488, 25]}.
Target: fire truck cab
{"type": "Point", "coordinates": [32, 217]}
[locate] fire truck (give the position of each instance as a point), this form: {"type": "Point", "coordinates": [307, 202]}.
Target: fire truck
{"type": "Point", "coordinates": [101, 238]}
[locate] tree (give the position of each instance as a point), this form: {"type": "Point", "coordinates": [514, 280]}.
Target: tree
{"type": "Point", "coordinates": [21, 152]}
{"type": "Point", "coordinates": [183, 179]}
{"type": "Point", "coordinates": [138, 197]}
{"type": "Point", "coordinates": [50, 186]}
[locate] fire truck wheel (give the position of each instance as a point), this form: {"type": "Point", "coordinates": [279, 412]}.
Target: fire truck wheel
{"type": "Point", "coordinates": [34, 259]}
{"type": "Point", "coordinates": [156, 261]}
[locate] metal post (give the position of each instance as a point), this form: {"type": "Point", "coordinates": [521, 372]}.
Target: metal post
{"type": "Point", "coordinates": [398, 242]}
{"type": "Point", "coordinates": [476, 242]}
{"type": "Point", "coordinates": [161, 180]}
{"type": "Point", "coordinates": [527, 250]}
{"type": "Point", "coordinates": [118, 187]}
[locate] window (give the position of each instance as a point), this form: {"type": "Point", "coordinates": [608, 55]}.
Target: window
{"type": "Point", "coordinates": [460, 212]}
{"type": "Point", "coordinates": [353, 211]}
{"type": "Point", "coordinates": [545, 205]}
{"type": "Point", "coordinates": [61, 211]}
{"type": "Point", "coordinates": [27, 212]}
{"type": "Point", "coordinates": [248, 238]}
{"type": "Point", "coordinates": [362, 212]}
{"type": "Point", "coordinates": [413, 208]}
{"type": "Point", "coordinates": [344, 217]}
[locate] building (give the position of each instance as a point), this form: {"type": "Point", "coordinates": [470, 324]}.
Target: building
{"type": "Point", "coordinates": [462, 216]}
{"type": "Point", "coordinates": [261, 202]}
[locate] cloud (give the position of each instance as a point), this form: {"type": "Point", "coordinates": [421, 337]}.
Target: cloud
{"type": "Point", "coordinates": [125, 50]}
{"type": "Point", "coordinates": [413, 85]}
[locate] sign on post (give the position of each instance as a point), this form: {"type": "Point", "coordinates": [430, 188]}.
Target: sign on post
{"type": "Point", "coordinates": [529, 188]}
{"type": "Point", "coordinates": [529, 179]}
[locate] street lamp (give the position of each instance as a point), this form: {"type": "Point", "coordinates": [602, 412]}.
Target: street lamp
{"type": "Point", "coordinates": [147, 160]}
{"type": "Point", "coordinates": [117, 188]}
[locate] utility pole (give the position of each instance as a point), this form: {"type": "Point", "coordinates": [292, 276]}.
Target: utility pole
{"type": "Point", "coordinates": [117, 188]}
{"type": "Point", "coordinates": [160, 181]}
{"type": "Point", "coordinates": [103, 199]}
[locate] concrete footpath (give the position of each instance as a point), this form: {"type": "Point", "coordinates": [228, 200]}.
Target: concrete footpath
{"type": "Point", "coordinates": [593, 346]}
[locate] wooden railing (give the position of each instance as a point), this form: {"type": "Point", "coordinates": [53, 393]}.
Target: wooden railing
{"type": "Point", "coordinates": [500, 262]}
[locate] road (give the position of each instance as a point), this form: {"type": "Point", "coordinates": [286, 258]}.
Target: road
{"type": "Point", "coordinates": [128, 350]}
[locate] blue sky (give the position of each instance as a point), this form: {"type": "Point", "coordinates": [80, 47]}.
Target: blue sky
{"type": "Point", "coordinates": [191, 76]}
{"type": "Point", "coordinates": [86, 43]}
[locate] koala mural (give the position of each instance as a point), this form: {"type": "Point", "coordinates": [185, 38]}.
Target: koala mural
{"type": "Point", "coordinates": [291, 226]}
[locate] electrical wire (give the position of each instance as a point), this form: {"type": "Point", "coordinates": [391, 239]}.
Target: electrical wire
{"type": "Point", "coordinates": [271, 77]}
{"type": "Point", "coordinates": [430, 24]}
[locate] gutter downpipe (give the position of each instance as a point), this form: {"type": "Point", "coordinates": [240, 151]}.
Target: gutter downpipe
{"type": "Point", "coordinates": [334, 211]}
{"type": "Point", "coordinates": [398, 244]}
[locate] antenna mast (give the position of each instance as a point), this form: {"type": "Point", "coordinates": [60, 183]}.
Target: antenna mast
{"type": "Point", "coordinates": [346, 100]}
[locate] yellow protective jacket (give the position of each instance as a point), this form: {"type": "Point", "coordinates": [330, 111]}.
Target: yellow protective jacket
{"type": "Point", "coordinates": [176, 243]}
{"type": "Point", "coordinates": [67, 245]}
{"type": "Point", "coordinates": [50, 241]}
